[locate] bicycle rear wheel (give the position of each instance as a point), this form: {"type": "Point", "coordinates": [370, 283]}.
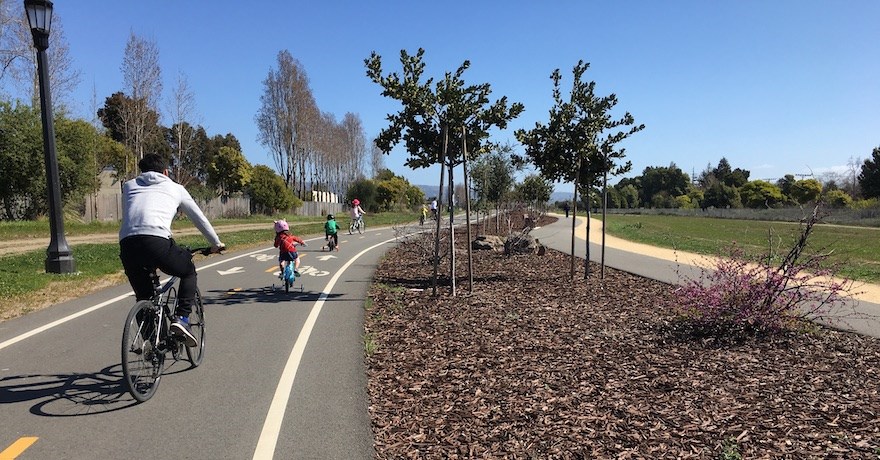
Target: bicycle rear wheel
{"type": "Point", "coordinates": [288, 276]}
{"type": "Point", "coordinates": [141, 362]}
{"type": "Point", "coordinates": [197, 326]}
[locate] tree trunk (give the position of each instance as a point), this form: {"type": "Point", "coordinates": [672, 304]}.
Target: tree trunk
{"type": "Point", "coordinates": [588, 197]}
{"type": "Point", "coordinates": [604, 214]}
{"type": "Point", "coordinates": [451, 231]}
{"type": "Point", "coordinates": [437, 221]}
{"type": "Point", "coordinates": [467, 211]}
{"type": "Point", "coordinates": [574, 214]}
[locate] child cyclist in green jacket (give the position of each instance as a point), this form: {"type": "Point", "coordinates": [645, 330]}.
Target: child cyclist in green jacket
{"type": "Point", "coordinates": [330, 229]}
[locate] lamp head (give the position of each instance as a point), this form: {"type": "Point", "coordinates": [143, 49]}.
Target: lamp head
{"type": "Point", "coordinates": [39, 14]}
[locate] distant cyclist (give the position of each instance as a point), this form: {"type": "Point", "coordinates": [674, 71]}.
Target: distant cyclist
{"type": "Point", "coordinates": [357, 212]}
{"type": "Point", "coordinates": [331, 229]}
{"type": "Point", "coordinates": [434, 209]}
{"type": "Point", "coordinates": [149, 203]}
{"type": "Point", "coordinates": [423, 215]}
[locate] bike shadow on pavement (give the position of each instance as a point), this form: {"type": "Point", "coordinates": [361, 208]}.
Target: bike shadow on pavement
{"type": "Point", "coordinates": [69, 395]}
{"type": "Point", "coordinates": [264, 295]}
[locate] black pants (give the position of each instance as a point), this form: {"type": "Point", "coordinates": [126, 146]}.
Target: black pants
{"type": "Point", "coordinates": [142, 254]}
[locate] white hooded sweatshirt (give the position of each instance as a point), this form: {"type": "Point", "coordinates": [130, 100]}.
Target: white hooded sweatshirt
{"type": "Point", "coordinates": [149, 203]}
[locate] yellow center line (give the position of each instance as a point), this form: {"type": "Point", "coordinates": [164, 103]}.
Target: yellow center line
{"type": "Point", "coordinates": [17, 448]}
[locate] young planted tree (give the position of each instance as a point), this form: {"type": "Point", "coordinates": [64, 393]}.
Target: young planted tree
{"type": "Point", "coordinates": [438, 122]}
{"type": "Point", "coordinates": [534, 190]}
{"type": "Point", "coordinates": [579, 144]}
{"type": "Point", "coordinates": [492, 176]}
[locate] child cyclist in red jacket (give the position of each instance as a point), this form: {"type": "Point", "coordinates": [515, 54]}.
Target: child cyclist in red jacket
{"type": "Point", "coordinates": [286, 243]}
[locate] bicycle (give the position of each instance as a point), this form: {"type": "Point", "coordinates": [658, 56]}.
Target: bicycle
{"type": "Point", "coordinates": [146, 337]}
{"type": "Point", "coordinates": [288, 275]}
{"type": "Point", "coordinates": [331, 242]}
{"type": "Point", "coordinates": [357, 225]}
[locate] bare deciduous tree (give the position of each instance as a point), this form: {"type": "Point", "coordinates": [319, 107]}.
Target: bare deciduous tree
{"type": "Point", "coordinates": [18, 61]}
{"type": "Point", "coordinates": [355, 146]}
{"type": "Point", "coordinates": [281, 116]}
{"type": "Point", "coordinates": [182, 110]}
{"type": "Point", "coordinates": [311, 150]}
{"type": "Point", "coordinates": [143, 80]}
{"type": "Point", "coordinates": [377, 159]}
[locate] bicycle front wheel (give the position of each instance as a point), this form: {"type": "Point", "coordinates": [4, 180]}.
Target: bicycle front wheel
{"type": "Point", "coordinates": [141, 361]}
{"type": "Point", "coordinates": [362, 227]}
{"type": "Point", "coordinates": [197, 326]}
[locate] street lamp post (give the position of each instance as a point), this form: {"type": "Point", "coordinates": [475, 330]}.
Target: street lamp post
{"type": "Point", "coordinates": [59, 259]}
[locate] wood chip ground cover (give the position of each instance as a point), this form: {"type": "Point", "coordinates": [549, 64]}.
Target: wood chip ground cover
{"type": "Point", "coordinates": [532, 365]}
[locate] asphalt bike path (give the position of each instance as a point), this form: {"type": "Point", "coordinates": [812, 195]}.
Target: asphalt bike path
{"type": "Point", "coordinates": [673, 267]}
{"type": "Point", "coordinates": [283, 374]}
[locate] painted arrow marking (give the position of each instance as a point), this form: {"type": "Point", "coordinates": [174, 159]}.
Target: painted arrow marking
{"type": "Point", "coordinates": [231, 271]}
{"type": "Point", "coordinates": [325, 258]}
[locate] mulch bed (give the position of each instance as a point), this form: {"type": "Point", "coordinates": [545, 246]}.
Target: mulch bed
{"type": "Point", "coordinates": [532, 365]}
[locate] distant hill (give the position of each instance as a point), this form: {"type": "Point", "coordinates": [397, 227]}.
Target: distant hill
{"type": "Point", "coordinates": [431, 191]}
{"type": "Point", "coordinates": [560, 196]}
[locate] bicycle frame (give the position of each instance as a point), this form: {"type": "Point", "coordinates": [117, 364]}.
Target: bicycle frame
{"type": "Point", "coordinates": [163, 308]}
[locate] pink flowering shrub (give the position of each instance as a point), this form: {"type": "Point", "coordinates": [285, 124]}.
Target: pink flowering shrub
{"type": "Point", "coordinates": [739, 297]}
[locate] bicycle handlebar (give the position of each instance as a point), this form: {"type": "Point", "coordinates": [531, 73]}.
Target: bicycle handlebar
{"type": "Point", "coordinates": [206, 251]}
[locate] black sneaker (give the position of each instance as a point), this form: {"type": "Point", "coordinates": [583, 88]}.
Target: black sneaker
{"type": "Point", "coordinates": [180, 328]}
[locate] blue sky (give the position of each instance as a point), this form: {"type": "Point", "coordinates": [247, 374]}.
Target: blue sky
{"type": "Point", "coordinates": [776, 87]}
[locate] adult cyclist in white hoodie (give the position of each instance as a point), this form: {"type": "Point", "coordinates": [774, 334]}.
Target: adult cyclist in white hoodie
{"type": "Point", "coordinates": [149, 204]}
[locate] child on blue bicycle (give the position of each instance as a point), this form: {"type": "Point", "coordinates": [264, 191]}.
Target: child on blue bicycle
{"type": "Point", "coordinates": [286, 243]}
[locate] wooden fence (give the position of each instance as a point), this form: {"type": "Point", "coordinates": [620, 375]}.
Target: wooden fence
{"type": "Point", "coordinates": [108, 207]}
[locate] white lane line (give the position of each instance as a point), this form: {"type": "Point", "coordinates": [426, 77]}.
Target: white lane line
{"type": "Point", "coordinates": [272, 426]}
{"type": "Point", "coordinates": [46, 327]}
{"type": "Point", "coordinates": [73, 316]}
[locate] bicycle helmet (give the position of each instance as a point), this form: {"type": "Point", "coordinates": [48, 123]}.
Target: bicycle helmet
{"type": "Point", "coordinates": [281, 225]}
{"type": "Point", "coordinates": [330, 217]}
{"type": "Point", "coordinates": [355, 202]}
